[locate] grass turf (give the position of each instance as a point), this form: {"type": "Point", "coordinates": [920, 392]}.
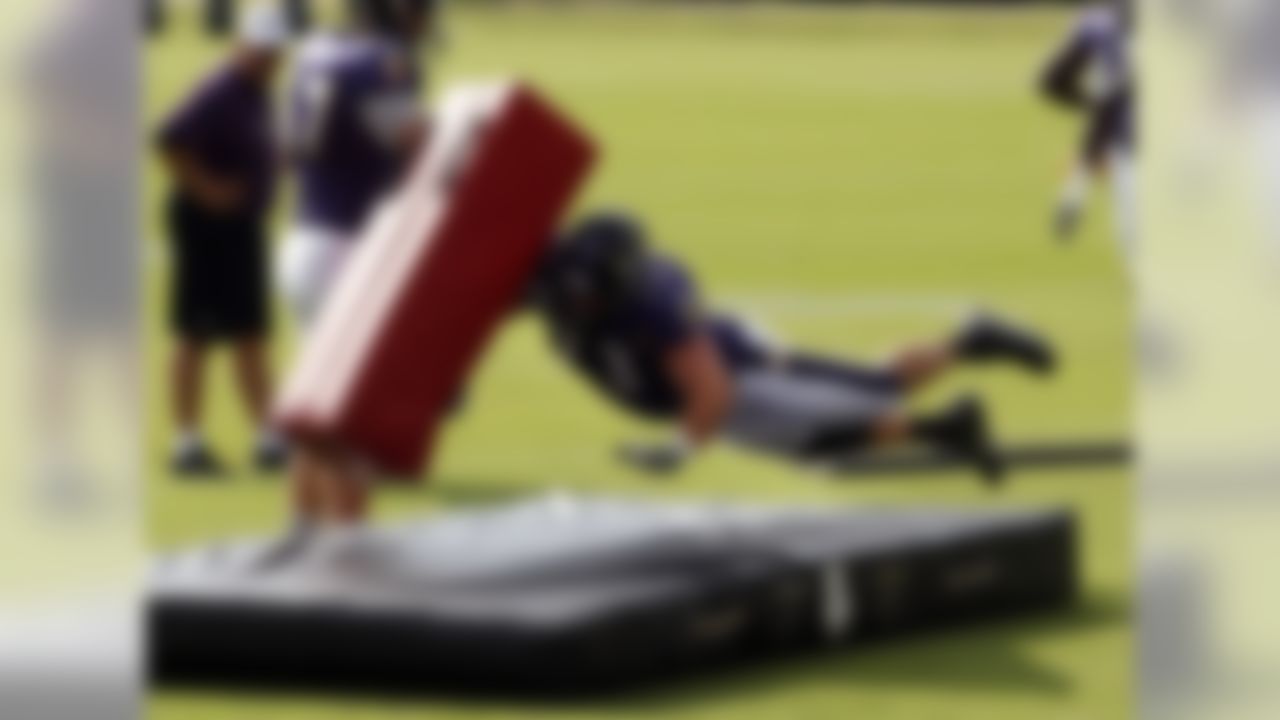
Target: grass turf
{"type": "Point", "coordinates": [853, 178]}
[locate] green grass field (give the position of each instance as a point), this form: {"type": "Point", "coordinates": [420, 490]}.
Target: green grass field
{"type": "Point", "coordinates": [850, 176]}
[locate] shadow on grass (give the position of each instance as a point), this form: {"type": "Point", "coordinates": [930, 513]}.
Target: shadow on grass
{"type": "Point", "coordinates": [985, 659]}
{"type": "Point", "coordinates": [463, 492]}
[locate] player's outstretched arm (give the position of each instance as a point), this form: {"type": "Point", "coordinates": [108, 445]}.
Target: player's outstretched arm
{"type": "Point", "coordinates": [704, 384]}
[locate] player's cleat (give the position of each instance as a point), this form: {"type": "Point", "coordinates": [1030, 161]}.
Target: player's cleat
{"type": "Point", "coordinates": [270, 457]}
{"type": "Point", "coordinates": [988, 338]}
{"type": "Point", "coordinates": [1067, 221]}
{"type": "Point", "coordinates": [197, 462]}
{"type": "Point", "coordinates": [967, 434]}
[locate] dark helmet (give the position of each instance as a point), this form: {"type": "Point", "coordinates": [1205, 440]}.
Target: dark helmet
{"type": "Point", "coordinates": [594, 265]}
{"type": "Point", "coordinates": [403, 19]}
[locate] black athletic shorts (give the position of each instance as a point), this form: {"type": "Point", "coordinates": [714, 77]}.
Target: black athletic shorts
{"type": "Point", "coordinates": [1110, 126]}
{"type": "Point", "coordinates": [220, 273]}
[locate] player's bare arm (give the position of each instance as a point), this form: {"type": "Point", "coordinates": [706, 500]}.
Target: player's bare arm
{"type": "Point", "coordinates": [706, 392]}
{"type": "Point", "coordinates": [698, 372]}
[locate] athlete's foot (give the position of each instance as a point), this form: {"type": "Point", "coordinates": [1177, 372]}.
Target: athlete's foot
{"type": "Point", "coordinates": [988, 338]}
{"type": "Point", "coordinates": [197, 462]}
{"type": "Point", "coordinates": [270, 457]}
{"type": "Point", "coordinates": [967, 435]}
{"type": "Point", "coordinates": [1067, 219]}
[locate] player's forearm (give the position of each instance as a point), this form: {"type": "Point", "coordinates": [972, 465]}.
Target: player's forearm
{"type": "Point", "coordinates": [706, 410]}
{"type": "Point", "coordinates": [190, 175]}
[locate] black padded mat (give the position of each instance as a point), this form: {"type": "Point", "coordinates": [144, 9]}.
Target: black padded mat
{"type": "Point", "coordinates": [566, 595]}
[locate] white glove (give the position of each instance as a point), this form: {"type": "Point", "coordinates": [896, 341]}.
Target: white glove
{"type": "Point", "coordinates": [657, 458]}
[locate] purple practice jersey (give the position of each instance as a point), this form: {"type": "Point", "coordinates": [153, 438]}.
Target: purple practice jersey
{"type": "Point", "coordinates": [624, 353]}
{"type": "Point", "coordinates": [225, 125]}
{"type": "Point", "coordinates": [1097, 50]}
{"type": "Point", "coordinates": [352, 97]}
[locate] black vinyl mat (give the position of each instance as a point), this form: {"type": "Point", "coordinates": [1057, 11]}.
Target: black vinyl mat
{"type": "Point", "coordinates": [571, 596]}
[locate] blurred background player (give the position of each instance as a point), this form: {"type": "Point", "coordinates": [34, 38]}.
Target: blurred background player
{"type": "Point", "coordinates": [1091, 73]}
{"type": "Point", "coordinates": [77, 109]}
{"type": "Point", "coordinates": [355, 121]}
{"type": "Point", "coordinates": [631, 322]}
{"type": "Point", "coordinates": [218, 149]}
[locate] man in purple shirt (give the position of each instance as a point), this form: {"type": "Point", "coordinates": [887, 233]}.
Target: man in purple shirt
{"type": "Point", "coordinates": [355, 120]}
{"type": "Point", "coordinates": [218, 149]}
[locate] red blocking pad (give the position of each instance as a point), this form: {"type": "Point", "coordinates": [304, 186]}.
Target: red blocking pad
{"type": "Point", "coordinates": [436, 271]}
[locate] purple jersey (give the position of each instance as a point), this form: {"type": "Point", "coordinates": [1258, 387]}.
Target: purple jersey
{"type": "Point", "coordinates": [351, 98]}
{"type": "Point", "coordinates": [1103, 37]}
{"type": "Point", "coordinates": [624, 354]}
{"type": "Point", "coordinates": [225, 125]}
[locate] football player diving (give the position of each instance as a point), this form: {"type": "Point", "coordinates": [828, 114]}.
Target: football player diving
{"type": "Point", "coordinates": [629, 320]}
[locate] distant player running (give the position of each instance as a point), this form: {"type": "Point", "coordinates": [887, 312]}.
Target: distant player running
{"type": "Point", "coordinates": [630, 321]}
{"type": "Point", "coordinates": [355, 120]}
{"type": "Point", "coordinates": [1091, 73]}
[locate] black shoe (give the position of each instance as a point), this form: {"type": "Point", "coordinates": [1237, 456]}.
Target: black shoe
{"type": "Point", "coordinates": [968, 436]}
{"type": "Point", "coordinates": [989, 338]}
{"type": "Point", "coordinates": [271, 458]}
{"type": "Point", "coordinates": [198, 463]}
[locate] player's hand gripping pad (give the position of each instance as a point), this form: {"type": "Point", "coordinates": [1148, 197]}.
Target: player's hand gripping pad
{"type": "Point", "coordinates": [434, 273]}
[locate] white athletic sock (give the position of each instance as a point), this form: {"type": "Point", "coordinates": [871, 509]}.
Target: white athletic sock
{"type": "Point", "coordinates": [1125, 201]}
{"type": "Point", "coordinates": [1075, 191]}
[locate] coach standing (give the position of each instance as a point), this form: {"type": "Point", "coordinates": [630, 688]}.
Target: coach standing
{"type": "Point", "coordinates": [219, 151]}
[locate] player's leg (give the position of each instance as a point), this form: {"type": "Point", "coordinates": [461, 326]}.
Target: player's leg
{"type": "Point", "coordinates": [1123, 172]}
{"type": "Point", "coordinates": [1073, 198]}
{"type": "Point", "coordinates": [253, 374]}
{"type": "Point", "coordinates": [307, 499]}
{"type": "Point", "coordinates": [199, 295]}
{"type": "Point", "coordinates": [960, 430]}
{"type": "Point", "coordinates": [346, 486]}
{"type": "Point", "coordinates": [822, 413]}
{"type": "Point", "coordinates": [1090, 165]}
{"type": "Point", "coordinates": [329, 493]}
{"type": "Point", "coordinates": [333, 497]}
{"type": "Point", "coordinates": [191, 454]}
{"type": "Point", "coordinates": [984, 338]}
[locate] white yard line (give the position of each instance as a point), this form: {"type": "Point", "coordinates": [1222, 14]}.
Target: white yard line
{"type": "Point", "coordinates": [821, 305]}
